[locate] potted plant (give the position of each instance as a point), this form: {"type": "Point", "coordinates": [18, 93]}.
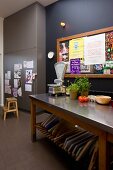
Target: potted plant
{"type": "Point", "coordinates": [73, 90]}
{"type": "Point", "coordinates": [84, 85]}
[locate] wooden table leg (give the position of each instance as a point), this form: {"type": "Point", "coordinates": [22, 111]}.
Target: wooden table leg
{"type": "Point", "coordinates": [109, 151]}
{"type": "Point", "coordinates": [33, 121]}
{"type": "Point", "coordinates": [102, 151]}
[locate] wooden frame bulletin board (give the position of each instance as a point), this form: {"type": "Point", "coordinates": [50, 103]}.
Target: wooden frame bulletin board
{"type": "Point", "coordinates": [108, 30]}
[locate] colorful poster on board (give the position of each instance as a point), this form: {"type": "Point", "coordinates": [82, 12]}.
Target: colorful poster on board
{"type": "Point", "coordinates": [64, 51]}
{"type": "Point", "coordinates": [109, 46]}
{"type": "Point", "coordinates": [76, 49]}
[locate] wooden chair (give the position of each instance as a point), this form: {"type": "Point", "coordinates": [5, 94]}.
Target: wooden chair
{"type": "Point", "coordinates": [10, 106]}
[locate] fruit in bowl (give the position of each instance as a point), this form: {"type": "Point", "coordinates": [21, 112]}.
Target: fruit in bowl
{"type": "Point", "coordinates": [103, 99]}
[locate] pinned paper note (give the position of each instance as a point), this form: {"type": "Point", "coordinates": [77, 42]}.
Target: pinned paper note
{"type": "Point", "coordinates": [94, 49]}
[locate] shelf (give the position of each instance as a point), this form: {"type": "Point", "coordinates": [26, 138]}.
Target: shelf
{"type": "Point", "coordinates": [75, 131]}
{"type": "Point", "coordinates": [89, 75]}
{"type": "Point", "coordinates": [42, 129]}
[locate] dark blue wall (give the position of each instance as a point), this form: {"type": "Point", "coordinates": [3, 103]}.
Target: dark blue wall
{"type": "Point", "coordinates": [80, 16]}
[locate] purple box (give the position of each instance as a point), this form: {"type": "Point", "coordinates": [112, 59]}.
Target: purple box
{"type": "Point", "coordinates": [75, 66]}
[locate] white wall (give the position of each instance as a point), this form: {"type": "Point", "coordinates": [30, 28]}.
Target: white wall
{"type": "Point", "coordinates": [1, 63]}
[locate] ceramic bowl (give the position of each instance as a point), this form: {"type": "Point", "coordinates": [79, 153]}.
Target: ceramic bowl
{"type": "Point", "coordinates": [103, 99]}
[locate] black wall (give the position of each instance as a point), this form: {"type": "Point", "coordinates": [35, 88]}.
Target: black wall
{"type": "Point", "coordinates": [80, 16]}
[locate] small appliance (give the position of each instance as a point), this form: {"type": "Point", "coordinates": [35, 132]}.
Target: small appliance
{"type": "Point", "coordinates": [58, 88]}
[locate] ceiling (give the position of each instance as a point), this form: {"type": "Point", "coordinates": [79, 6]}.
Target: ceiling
{"type": "Point", "coordinates": [9, 7]}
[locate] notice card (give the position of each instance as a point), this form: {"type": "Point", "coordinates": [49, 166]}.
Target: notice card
{"type": "Point", "coordinates": [28, 64]}
{"type": "Point", "coordinates": [75, 66]}
{"type": "Point", "coordinates": [94, 49]}
{"type": "Point", "coordinates": [28, 87]}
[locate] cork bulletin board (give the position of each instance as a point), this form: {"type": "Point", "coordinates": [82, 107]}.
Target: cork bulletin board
{"type": "Point", "coordinates": [88, 54]}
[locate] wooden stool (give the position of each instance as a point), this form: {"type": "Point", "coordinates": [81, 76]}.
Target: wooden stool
{"type": "Point", "coordinates": [10, 106]}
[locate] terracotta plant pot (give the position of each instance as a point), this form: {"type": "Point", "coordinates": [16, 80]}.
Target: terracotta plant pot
{"type": "Point", "coordinates": [73, 95]}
